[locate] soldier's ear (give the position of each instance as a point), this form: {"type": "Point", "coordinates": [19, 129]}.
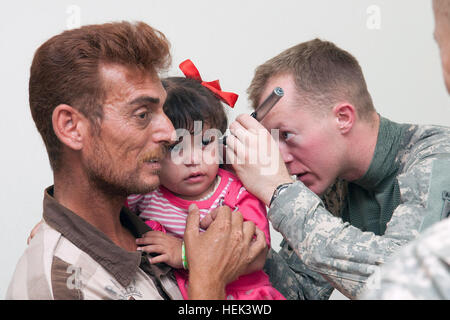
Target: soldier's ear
{"type": "Point", "coordinates": [345, 115]}
{"type": "Point", "coordinates": [70, 126]}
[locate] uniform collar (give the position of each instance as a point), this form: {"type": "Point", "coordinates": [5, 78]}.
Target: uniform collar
{"type": "Point", "coordinates": [384, 162]}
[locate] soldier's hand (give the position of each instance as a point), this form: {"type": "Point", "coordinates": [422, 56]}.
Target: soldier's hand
{"type": "Point", "coordinates": [256, 158]}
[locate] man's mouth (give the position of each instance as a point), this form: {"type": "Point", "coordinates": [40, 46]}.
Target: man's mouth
{"type": "Point", "coordinates": [153, 164]}
{"type": "Point", "coordinates": [155, 156]}
{"type": "Point", "coordinates": [301, 176]}
{"type": "Point", "coordinates": [152, 159]}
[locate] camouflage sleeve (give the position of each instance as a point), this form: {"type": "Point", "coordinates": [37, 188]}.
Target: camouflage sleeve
{"type": "Point", "coordinates": [289, 275]}
{"type": "Point", "coordinates": [343, 254]}
{"type": "Point", "coordinates": [347, 256]}
{"type": "Point", "coordinates": [420, 270]}
{"type": "Point", "coordinates": [424, 181]}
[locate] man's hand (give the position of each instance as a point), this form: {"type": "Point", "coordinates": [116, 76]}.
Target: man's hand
{"type": "Point", "coordinates": [256, 158]}
{"type": "Point", "coordinates": [208, 219]}
{"type": "Point", "coordinates": [168, 247]}
{"type": "Point", "coordinates": [220, 254]}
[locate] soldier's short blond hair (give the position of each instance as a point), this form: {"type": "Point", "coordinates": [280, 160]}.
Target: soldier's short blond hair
{"type": "Point", "coordinates": [324, 74]}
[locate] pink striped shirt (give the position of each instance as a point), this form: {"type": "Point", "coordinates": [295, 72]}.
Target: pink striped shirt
{"type": "Point", "coordinates": [171, 211]}
{"type": "Point", "coordinates": [164, 208]}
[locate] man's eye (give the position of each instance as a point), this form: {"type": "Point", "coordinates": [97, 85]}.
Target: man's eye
{"type": "Point", "coordinates": [286, 135]}
{"type": "Point", "coordinates": [142, 115]}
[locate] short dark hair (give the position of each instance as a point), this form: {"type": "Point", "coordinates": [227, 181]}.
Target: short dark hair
{"type": "Point", "coordinates": [188, 101]}
{"type": "Point", "coordinates": [66, 70]}
{"type": "Point", "coordinates": [323, 73]}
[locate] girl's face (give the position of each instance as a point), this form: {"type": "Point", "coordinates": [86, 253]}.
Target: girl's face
{"type": "Point", "coordinates": [190, 168]}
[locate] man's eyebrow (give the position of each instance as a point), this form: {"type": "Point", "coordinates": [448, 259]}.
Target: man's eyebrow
{"type": "Point", "coordinates": [145, 100]}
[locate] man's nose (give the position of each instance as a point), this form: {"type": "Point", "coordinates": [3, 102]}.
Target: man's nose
{"type": "Point", "coordinates": [164, 132]}
{"type": "Point", "coordinates": [285, 154]}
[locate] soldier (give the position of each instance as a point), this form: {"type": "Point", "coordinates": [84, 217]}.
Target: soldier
{"type": "Point", "coordinates": [421, 269]}
{"type": "Point", "coordinates": [364, 185]}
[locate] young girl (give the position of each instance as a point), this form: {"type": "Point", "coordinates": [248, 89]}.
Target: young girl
{"type": "Point", "coordinates": [190, 174]}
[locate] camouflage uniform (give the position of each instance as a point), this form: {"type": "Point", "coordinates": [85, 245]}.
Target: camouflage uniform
{"type": "Point", "coordinates": [321, 251]}
{"type": "Point", "coordinates": [420, 270]}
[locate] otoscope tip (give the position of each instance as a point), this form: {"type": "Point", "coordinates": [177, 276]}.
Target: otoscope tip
{"type": "Point", "coordinates": [278, 91]}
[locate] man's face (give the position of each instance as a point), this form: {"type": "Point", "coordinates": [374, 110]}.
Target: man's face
{"type": "Point", "coordinates": [442, 36]}
{"type": "Point", "coordinates": [309, 143]}
{"type": "Point", "coordinates": [125, 156]}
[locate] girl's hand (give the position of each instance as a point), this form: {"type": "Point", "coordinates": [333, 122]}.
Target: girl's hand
{"type": "Point", "coordinates": [168, 247]}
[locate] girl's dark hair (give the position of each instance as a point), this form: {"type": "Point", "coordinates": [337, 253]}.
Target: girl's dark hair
{"type": "Point", "coordinates": [188, 101]}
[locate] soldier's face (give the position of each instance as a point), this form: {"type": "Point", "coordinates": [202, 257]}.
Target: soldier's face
{"type": "Point", "coordinates": [308, 143]}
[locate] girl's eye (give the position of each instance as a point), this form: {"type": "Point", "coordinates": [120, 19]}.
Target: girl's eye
{"type": "Point", "coordinates": [177, 145]}
{"type": "Point", "coordinates": [205, 142]}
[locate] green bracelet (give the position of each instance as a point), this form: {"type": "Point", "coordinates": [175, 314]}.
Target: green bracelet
{"type": "Point", "coordinates": [183, 257]}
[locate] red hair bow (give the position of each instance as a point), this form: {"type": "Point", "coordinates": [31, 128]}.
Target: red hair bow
{"type": "Point", "coordinates": [191, 72]}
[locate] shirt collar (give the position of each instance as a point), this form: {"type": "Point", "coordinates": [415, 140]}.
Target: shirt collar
{"type": "Point", "coordinates": [384, 162]}
{"type": "Point", "coordinates": [121, 264]}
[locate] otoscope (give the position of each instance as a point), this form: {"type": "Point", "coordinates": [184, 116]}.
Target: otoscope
{"type": "Point", "coordinates": [268, 104]}
{"type": "Point", "coordinates": [264, 107]}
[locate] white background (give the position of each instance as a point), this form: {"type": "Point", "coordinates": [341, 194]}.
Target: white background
{"type": "Point", "coordinates": [392, 40]}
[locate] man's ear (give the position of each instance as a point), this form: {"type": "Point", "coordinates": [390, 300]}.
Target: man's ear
{"type": "Point", "coordinates": [345, 115]}
{"type": "Point", "coordinates": [70, 126]}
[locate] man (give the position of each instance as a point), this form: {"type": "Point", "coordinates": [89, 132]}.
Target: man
{"type": "Point", "coordinates": [421, 269]}
{"type": "Point", "coordinates": [381, 182]}
{"type": "Point", "coordinates": [441, 10]}
{"type": "Point", "coordinates": [96, 99]}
